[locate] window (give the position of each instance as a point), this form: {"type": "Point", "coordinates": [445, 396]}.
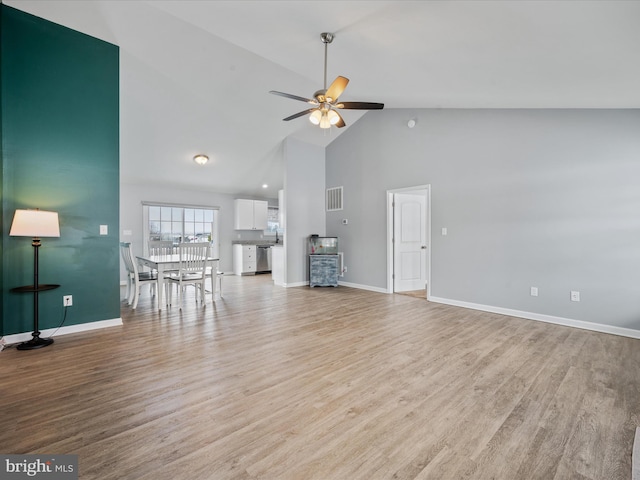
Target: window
{"type": "Point", "coordinates": [177, 223]}
{"type": "Point", "coordinates": [273, 221]}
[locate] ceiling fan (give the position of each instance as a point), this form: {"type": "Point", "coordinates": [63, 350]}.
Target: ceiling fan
{"type": "Point", "coordinates": [325, 101]}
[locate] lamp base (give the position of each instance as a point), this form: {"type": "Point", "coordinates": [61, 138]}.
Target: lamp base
{"type": "Point", "coordinates": [35, 342]}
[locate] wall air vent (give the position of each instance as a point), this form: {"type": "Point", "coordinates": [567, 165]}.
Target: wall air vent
{"type": "Point", "coordinates": [334, 199]}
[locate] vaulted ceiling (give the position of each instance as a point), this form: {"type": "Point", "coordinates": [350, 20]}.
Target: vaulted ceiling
{"type": "Point", "coordinates": [195, 75]}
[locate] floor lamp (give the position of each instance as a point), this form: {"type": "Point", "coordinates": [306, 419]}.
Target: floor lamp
{"type": "Point", "coordinates": [35, 224]}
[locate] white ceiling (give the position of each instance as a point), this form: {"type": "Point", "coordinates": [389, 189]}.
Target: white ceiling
{"type": "Point", "coordinates": [195, 75]}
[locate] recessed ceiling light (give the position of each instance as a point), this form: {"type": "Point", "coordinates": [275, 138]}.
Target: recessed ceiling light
{"type": "Point", "coordinates": [201, 159]}
{"type": "Point", "coordinates": [264, 185]}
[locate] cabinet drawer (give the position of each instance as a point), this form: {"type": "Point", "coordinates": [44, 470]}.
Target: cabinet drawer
{"type": "Point", "coordinates": [324, 262]}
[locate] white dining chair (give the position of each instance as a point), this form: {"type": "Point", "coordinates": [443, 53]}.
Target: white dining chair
{"type": "Point", "coordinates": [135, 278]}
{"type": "Point", "coordinates": [192, 270]}
{"type": "Point", "coordinates": [215, 276]}
{"type": "Point", "coordinates": [161, 247]}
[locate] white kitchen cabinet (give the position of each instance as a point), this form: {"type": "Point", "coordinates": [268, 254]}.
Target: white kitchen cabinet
{"type": "Point", "coordinates": [250, 214]}
{"type": "Point", "coordinates": [244, 259]}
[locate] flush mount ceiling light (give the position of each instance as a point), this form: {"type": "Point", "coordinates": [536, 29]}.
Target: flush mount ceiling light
{"type": "Point", "coordinates": [325, 101]}
{"type": "Point", "coordinates": [201, 159]}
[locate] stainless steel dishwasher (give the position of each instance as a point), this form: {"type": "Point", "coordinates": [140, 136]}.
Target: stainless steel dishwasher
{"type": "Point", "coordinates": [263, 258]}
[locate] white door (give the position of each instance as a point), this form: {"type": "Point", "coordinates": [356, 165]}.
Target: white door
{"type": "Point", "coordinates": [409, 242]}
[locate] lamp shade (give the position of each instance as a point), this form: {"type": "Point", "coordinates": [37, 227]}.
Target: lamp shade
{"type": "Point", "coordinates": [35, 223]}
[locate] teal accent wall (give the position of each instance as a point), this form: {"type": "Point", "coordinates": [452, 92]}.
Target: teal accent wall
{"type": "Point", "coordinates": [1, 178]}
{"type": "Point", "coordinates": [60, 151]}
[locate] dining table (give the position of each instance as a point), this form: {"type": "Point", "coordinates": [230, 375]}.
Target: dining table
{"type": "Point", "coordinates": [165, 263]}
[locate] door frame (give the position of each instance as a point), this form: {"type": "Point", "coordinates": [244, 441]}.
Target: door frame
{"type": "Point", "coordinates": [426, 189]}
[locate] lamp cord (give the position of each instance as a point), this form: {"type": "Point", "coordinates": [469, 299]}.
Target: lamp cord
{"type": "Point", "coordinates": [64, 318]}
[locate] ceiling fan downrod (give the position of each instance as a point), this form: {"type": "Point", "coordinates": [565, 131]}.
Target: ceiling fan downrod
{"type": "Point", "coordinates": [326, 38]}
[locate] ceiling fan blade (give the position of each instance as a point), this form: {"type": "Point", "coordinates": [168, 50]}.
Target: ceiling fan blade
{"type": "Point", "coordinates": [360, 105]}
{"type": "Point", "coordinates": [295, 97]}
{"type": "Point", "coordinates": [336, 88]}
{"type": "Point", "coordinates": [299, 114]}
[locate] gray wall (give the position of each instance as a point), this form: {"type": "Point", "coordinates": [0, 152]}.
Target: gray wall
{"type": "Point", "coordinates": [304, 205]}
{"type": "Point", "coordinates": [545, 198]}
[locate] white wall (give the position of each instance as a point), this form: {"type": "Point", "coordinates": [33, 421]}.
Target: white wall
{"type": "Point", "coordinates": [305, 210]}
{"type": "Point", "coordinates": [545, 198]}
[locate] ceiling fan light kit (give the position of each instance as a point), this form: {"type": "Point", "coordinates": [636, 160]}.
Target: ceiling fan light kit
{"type": "Point", "coordinates": [201, 159]}
{"type": "Point", "coordinates": [315, 117]}
{"type": "Point", "coordinates": [325, 101]}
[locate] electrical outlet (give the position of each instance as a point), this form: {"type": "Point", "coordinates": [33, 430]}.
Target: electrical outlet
{"type": "Point", "coordinates": [575, 296]}
{"type": "Point", "coordinates": [534, 291]}
{"type": "Point", "coordinates": [344, 269]}
{"type": "Point", "coordinates": [67, 300]}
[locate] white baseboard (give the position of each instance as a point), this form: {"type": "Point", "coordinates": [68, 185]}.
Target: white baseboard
{"type": "Point", "coordinates": [346, 284]}
{"type": "Point", "coordinates": [567, 322]}
{"type": "Point", "coordinates": [295, 284]}
{"type": "Point", "coordinates": [81, 327]}
{"type": "Point", "coordinates": [363, 287]}
{"type": "Point", "coordinates": [635, 457]}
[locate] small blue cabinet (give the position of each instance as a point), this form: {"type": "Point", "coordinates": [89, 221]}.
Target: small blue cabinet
{"type": "Point", "coordinates": [323, 270]}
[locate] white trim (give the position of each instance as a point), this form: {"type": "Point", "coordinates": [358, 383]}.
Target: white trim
{"type": "Point", "coordinates": [364, 287]}
{"type": "Point", "coordinates": [635, 456]}
{"type": "Point", "coordinates": [81, 327]}
{"type": "Point", "coordinates": [390, 198]}
{"type": "Point", "coordinates": [567, 322]}
{"type": "Point", "coordinates": [179, 205]}
{"type": "Point", "coordinates": [295, 284]}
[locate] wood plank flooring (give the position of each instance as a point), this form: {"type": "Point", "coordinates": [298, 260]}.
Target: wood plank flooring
{"type": "Point", "coordinates": [325, 383]}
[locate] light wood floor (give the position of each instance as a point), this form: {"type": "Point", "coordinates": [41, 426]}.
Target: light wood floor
{"type": "Point", "coordinates": [326, 383]}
